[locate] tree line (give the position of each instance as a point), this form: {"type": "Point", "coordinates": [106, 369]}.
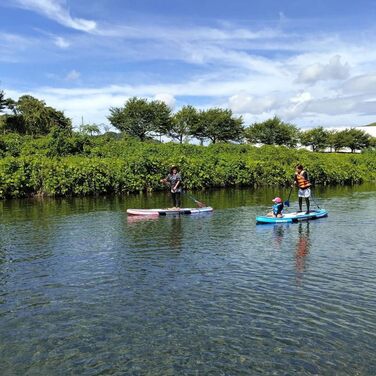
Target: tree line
{"type": "Point", "coordinates": [146, 119]}
{"type": "Point", "coordinates": [105, 165]}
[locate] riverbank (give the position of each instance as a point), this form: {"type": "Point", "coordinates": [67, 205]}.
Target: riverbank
{"type": "Point", "coordinates": [113, 166]}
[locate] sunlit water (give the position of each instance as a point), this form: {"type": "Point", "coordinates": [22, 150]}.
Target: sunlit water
{"type": "Point", "coordinates": [85, 290]}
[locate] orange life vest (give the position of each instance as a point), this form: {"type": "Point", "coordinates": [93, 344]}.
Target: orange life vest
{"type": "Point", "coordinates": [302, 182]}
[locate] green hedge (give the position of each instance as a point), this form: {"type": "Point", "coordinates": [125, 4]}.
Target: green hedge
{"type": "Point", "coordinates": [110, 166]}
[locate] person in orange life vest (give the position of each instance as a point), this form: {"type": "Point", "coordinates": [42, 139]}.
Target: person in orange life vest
{"type": "Point", "coordinates": [302, 182]}
{"type": "Point", "coordinates": [277, 208]}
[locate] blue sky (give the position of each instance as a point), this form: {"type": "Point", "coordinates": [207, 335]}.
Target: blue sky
{"type": "Point", "coordinates": [310, 62]}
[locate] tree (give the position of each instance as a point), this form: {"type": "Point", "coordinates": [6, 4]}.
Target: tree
{"type": "Point", "coordinates": [58, 119]}
{"type": "Point", "coordinates": [337, 140]}
{"type": "Point", "coordinates": [2, 101]}
{"type": "Point", "coordinates": [372, 142]}
{"type": "Point", "coordinates": [183, 122]}
{"type": "Point", "coordinates": [218, 125]}
{"type": "Point", "coordinates": [60, 142]}
{"type": "Point", "coordinates": [162, 117]}
{"type": "Point", "coordinates": [273, 132]}
{"type": "Point", "coordinates": [357, 139]}
{"type": "Point", "coordinates": [32, 116]}
{"type": "Point", "coordinates": [90, 129]}
{"type": "Point", "coordinates": [317, 138]}
{"type": "Point", "coordinates": [140, 118]}
{"type": "Point", "coordinates": [13, 123]}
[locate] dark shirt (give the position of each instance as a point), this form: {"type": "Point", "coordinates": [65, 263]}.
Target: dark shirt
{"type": "Point", "coordinates": [173, 179]}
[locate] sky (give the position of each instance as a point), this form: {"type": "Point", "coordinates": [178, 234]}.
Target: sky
{"type": "Point", "coordinates": [312, 63]}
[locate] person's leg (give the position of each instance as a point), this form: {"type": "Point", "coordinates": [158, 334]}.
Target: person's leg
{"type": "Point", "coordinates": [307, 204]}
{"type": "Point", "coordinates": [300, 203]}
{"type": "Point", "coordinates": [173, 196]}
{"type": "Point", "coordinates": [177, 199]}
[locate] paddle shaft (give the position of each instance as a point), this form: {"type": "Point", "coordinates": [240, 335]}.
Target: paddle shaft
{"type": "Point", "coordinates": [314, 200]}
{"type": "Point", "coordinates": [287, 202]}
{"type": "Point", "coordinates": [199, 203]}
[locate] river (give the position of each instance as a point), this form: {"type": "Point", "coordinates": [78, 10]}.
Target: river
{"type": "Point", "coordinates": [85, 290]}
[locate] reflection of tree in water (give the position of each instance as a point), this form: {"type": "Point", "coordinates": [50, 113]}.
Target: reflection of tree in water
{"type": "Point", "coordinates": [302, 250]}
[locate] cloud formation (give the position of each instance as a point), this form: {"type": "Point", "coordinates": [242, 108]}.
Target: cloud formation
{"type": "Point", "coordinates": [244, 103]}
{"type": "Point", "coordinates": [56, 10]}
{"type": "Point", "coordinates": [334, 70]}
{"type": "Point", "coordinates": [257, 70]}
{"type": "Point", "coordinates": [361, 84]}
{"type": "Point", "coordinates": [61, 42]}
{"type": "Point", "coordinates": [73, 75]}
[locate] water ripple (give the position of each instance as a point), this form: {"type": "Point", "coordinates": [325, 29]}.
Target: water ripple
{"type": "Point", "coordinates": [92, 293]}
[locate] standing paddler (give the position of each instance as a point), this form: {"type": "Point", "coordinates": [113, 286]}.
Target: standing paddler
{"type": "Point", "coordinates": [173, 179]}
{"type": "Point", "coordinates": [302, 182]}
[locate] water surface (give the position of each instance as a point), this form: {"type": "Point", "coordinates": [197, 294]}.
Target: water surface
{"type": "Point", "coordinates": [86, 290]}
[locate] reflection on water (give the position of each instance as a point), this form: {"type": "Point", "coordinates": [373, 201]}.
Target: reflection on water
{"type": "Point", "coordinates": [302, 250]}
{"type": "Point", "coordinates": [279, 231]}
{"type": "Point", "coordinates": [85, 289]}
{"type": "Point", "coordinates": [281, 234]}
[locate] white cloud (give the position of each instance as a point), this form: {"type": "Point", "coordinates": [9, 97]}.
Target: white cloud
{"type": "Point", "coordinates": [301, 97]}
{"type": "Point", "coordinates": [361, 84]}
{"type": "Point", "coordinates": [244, 103]}
{"type": "Point", "coordinates": [73, 75]}
{"type": "Point", "coordinates": [334, 70]}
{"type": "Point", "coordinates": [253, 72]}
{"type": "Point", "coordinates": [166, 98]}
{"type": "Point", "coordinates": [13, 46]}
{"type": "Point", "coordinates": [343, 105]}
{"type": "Point", "coordinates": [296, 105]}
{"type": "Point", "coordinates": [57, 11]}
{"type": "Point", "coordinates": [184, 33]}
{"type": "Point", "coordinates": [61, 42]}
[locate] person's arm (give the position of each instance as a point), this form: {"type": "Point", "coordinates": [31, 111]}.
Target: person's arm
{"type": "Point", "coordinates": [295, 179]}
{"type": "Point", "coordinates": [178, 179]}
{"type": "Point", "coordinates": [165, 180]}
{"type": "Point", "coordinates": [176, 185]}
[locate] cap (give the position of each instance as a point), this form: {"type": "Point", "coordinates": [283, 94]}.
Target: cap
{"type": "Point", "coordinates": [277, 199]}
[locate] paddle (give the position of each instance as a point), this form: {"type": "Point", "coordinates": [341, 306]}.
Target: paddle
{"type": "Point", "coordinates": [287, 202]}
{"type": "Point", "coordinates": [198, 203]}
{"type": "Point", "coordinates": [314, 200]}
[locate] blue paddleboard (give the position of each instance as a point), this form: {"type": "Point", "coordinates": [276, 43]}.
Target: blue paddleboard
{"type": "Point", "coordinates": [293, 217]}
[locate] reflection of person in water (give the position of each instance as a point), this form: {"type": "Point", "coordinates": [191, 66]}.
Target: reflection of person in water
{"type": "Point", "coordinates": [302, 249]}
{"type": "Point", "coordinates": [169, 228]}
{"type": "Point", "coordinates": [279, 232]}
{"type": "Point", "coordinates": [176, 235]}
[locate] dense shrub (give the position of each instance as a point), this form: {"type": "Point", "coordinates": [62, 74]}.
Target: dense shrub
{"type": "Point", "coordinates": [106, 165]}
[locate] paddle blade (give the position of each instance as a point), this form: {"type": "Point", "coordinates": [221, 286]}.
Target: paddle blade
{"type": "Point", "coordinates": [200, 204]}
{"type": "Point", "coordinates": [287, 203]}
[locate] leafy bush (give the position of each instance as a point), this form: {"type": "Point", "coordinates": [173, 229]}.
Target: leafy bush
{"type": "Point", "coordinates": [104, 165]}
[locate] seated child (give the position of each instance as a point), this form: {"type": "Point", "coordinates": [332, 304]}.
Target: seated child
{"type": "Point", "coordinates": [277, 208]}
